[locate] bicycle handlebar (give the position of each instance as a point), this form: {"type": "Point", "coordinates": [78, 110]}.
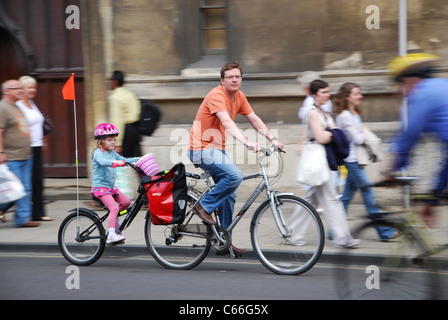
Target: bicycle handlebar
{"type": "Point", "coordinates": [269, 151]}
{"type": "Point", "coordinates": [193, 175]}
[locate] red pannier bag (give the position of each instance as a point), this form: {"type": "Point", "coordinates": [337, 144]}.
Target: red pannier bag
{"type": "Point", "coordinates": [167, 196]}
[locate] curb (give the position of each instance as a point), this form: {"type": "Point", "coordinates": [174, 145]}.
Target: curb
{"type": "Point", "coordinates": [138, 250]}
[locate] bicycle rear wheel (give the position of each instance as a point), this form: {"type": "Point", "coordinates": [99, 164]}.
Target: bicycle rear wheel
{"type": "Point", "coordinates": [179, 246]}
{"type": "Point", "coordinates": [388, 270]}
{"type": "Point", "coordinates": [274, 249]}
{"type": "Point", "coordinates": [81, 239]}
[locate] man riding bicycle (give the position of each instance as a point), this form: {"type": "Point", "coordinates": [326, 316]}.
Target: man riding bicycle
{"type": "Point", "coordinates": [426, 112]}
{"type": "Point", "coordinates": [214, 120]}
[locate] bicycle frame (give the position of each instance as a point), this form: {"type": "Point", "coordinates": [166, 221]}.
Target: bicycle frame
{"type": "Point", "coordinates": [132, 212]}
{"type": "Point", "coordinates": [264, 184]}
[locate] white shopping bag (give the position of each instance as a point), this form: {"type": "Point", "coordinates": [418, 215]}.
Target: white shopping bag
{"type": "Point", "coordinates": [11, 188]}
{"type": "Point", "coordinates": [124, 181]}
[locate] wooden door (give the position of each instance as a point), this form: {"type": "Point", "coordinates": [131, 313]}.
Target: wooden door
{"type": "Point", "coordinates": [35, 41]}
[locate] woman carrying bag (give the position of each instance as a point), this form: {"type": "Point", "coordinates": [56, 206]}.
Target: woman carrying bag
{"type": "Point", "coordinates": [348, 101]}
{"type": "Point", "coordinates": [324, 194]}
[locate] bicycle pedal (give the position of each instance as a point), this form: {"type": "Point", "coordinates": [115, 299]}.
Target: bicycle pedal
{"type": "Point", "coordinates": [233, 254]}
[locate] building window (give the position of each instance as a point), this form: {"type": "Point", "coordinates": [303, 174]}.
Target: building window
{"type": "Point", "coordinates": [213, 26]}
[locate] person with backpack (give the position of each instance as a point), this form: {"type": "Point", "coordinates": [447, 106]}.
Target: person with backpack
{"type": "Point", "coordinates": [104, 159]}
{"type": "Point", "coordinates": [124, 110]}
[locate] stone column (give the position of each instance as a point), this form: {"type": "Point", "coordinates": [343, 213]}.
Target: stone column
{"type": "Point", "coordinates": [94, 69]}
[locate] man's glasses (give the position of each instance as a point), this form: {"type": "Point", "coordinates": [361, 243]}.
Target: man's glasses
{"type": "Point", "coordinates": [233, 77]}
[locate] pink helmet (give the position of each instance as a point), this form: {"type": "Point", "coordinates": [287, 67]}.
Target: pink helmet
{"type": "Point", "coordinates": [105, 129]}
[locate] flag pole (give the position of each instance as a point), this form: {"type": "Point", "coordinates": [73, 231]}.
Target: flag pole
{"type": "Point", "coordinates": [68, 93]}
{"type": "Point", "coordinates": [76, 158]}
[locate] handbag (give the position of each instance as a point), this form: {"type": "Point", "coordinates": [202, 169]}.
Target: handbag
{"type": "Point", "coordinates": [48, 125]}
{"type": "Point", "coordinates": [123, 181]}
{"type": "Point", "coordinates": [11, 188]}
{"type": "Point", "coordinates": [313, 168]}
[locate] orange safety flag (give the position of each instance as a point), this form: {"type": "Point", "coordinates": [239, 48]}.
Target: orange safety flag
{"type": "Point", "coordinates": [68, 91]}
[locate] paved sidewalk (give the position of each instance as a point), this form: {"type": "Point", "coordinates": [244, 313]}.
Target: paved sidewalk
{"type": "Point", "coordinates": [44, 237]}
{"type": "Point", "coordinates": [60, 195]}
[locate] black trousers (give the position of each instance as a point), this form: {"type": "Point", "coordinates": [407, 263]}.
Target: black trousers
{"type": "Point", "coordinates": [37, 181]}
{"type": "Point", "coordinates": [131, 141]}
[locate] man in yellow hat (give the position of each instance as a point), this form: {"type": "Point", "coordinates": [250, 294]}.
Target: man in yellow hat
{"type": "Point", "coordinates": [427, 108]}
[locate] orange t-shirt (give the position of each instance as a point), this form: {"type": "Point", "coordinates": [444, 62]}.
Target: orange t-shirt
{"type": "Point", "coordinates": [207, 130]}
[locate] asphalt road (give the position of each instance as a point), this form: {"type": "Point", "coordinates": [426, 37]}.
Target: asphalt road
{"type": "Point", "coordinates": [50, 276]}
{"type": "Point", "coordinates": [215, 282]}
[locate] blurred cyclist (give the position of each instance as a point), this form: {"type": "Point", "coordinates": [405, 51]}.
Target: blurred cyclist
{"type": "Point", "coordinates": [427, 109]}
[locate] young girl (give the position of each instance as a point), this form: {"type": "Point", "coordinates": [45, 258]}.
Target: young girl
{"type": "Point", "coordinates": [103, 176]}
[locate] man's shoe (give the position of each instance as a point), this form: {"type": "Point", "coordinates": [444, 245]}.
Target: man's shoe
{"type": "Point", "coordinates": [238, 250]}
{"type": "Point", "coordinates": [30, 224]}
{"type": "Point", "coordinates": [203, 215]}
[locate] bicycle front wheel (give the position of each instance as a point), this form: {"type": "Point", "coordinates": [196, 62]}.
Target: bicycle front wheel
{"type": "Point", "coordinates": [81, 239]}
{"type": "Point", "coordinates": [179, 246]}
{"type": "Point", "coordinates": [273, 243]}
{"type": "Point", "coordinates": [397, 269]}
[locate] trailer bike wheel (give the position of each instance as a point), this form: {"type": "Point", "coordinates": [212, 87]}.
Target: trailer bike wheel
{"type": "Point", "coordinates": [81, 238]}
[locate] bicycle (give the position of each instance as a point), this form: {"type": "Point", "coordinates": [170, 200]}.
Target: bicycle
{"type": "Point", "coordinates": [404, 267]}
{"type": "Point", "coordinates": [184, 246]}
{"type": "Point", "coordinates": [82, 237]}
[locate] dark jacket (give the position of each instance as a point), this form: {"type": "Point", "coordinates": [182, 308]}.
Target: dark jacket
{"type": "Point", "coordinates": [338, 149]}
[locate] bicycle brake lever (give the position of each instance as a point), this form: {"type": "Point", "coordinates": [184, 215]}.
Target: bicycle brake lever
{"type": "Point", "coordinates": [276, 148]}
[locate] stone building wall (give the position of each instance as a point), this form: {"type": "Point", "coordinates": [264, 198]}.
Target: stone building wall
{"type": "Point", "coordinates": [157, 44]}
{"type": "Point", "coordinates": [151, 37]}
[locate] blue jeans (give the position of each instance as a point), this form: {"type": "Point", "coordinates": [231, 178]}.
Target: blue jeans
{"type": "Point", "coordinates": [23, 170]}
{"type": "Point", "coordinates": [357, 180]}
{"type": "Point", "coordinates": [227, 177]}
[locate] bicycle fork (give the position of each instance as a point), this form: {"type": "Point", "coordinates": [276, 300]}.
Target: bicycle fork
{"type": "Point", "coordinates": [278, 216]}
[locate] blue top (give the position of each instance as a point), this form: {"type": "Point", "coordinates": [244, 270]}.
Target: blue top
{"type": "Point", "coordinates": [427, 112]}
{"type": "Point", "coordinates": [103, 174]}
